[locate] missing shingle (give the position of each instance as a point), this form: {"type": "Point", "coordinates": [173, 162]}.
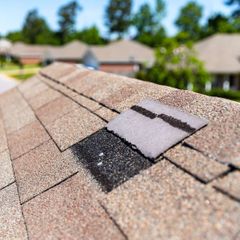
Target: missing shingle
{"type": "Point", "coordinates": [154, 127]}
{"type": "Point", "coordinates": [109, 159]}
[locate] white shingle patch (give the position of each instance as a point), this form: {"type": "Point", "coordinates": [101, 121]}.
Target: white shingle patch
{"type": "Point", "coordinates": [153, 127]}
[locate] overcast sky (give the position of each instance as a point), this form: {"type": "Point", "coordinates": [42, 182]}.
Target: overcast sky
{"type": "Point", "coordinates": [12, 12]}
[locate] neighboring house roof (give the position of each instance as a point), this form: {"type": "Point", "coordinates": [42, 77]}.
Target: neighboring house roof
{"type": "Point", "coordinates": [123, 51]}
{"type": "Point", "coordinates": [220, 53]}
{"type": "Point", "coordinates": [72, 51]}
{"type": "Point", "coordinates": [20, 49]}
{"type": "Point", "coordinates": [64, 176]}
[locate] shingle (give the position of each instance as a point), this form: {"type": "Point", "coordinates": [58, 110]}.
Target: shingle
{"type": "Point", "coordinates": [110, 161]}
{"type": "Point", "coordinates": [69, 211]}
{"type": "Point", "coordinates": [77, 73]}
{"type": "Point", "coordinates": [11, 219]}
{"type": "Point", "coordinates": [142, 90]}
{"type": "Point", "coordinates": [230, 184]}
{"type": "Point", "coordinates": [73, 127]}
{"type": "Point", "coordinates": [196, 163]}
{"type": "Point", "coordinates": [3, 142]}
{"type": "Point", "coordinates": [165, 203]}
{"type": "Point", "coordinates": [86, 102]}
{"type": "Point", "coordinates": [34, 90]}
{"type": "Point", "coordinates": [18, 119]}
{"type": "Point", "coordinates": [153, 136]}
{"type": "Point", "coordinates": [55, 109]}
{"type": "Point", "coordinates": [87, 84]}
{"type": "Point", "coordinates": [42, 168]}
{"type": "Point", "coordinates": [223, 129]}
{"type": "Point", "coordinates": [43, 98]}
{"type": "Point", "coordinates": [6, 171]}
{"type": "Point", "coordinates": [26, 139]}
{"type": "Point", "coordinates": [179, 98]}
{"type": "Point", "coordinates": [106, 114]}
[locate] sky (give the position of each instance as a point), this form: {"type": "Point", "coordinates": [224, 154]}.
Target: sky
{"type": "Point", "coordinates": [13, 12]}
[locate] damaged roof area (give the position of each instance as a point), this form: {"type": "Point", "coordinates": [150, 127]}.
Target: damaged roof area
{"type": "Point", "coordinates": [72, 167]}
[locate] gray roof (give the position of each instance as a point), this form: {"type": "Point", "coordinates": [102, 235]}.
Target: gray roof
{"type": "Point", "coordinates": [73, 50]}
{"type": "Point", "coordinates": [220, 53]}
{"type": "Point", "coordinates": [123, 51]}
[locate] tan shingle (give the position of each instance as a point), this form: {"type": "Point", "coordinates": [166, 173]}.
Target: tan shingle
{"type": "Point", "coordinates": [166, 200]}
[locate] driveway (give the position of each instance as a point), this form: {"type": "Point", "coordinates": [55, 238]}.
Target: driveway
{"type": "Point", "coordinates": [6, 83]}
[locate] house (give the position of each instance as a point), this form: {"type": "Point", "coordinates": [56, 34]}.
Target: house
{"type": "Point", "coordinates": [123, 57]}
{"type": "Point", "coordinates": [65, 175]}
{"type": "Point", "coordinates": [29, 54]}
{"type": "Point", "coordinates": [221, 56]}
{"type": "Point", "coordinates": [72, 52]}
{"type": "Point", "coordinates": [36, 54]}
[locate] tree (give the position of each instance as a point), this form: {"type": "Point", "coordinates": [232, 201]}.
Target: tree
{"type": "Point", "coordinates": [236, 12]}
{"type": "Point", "coordinates": [90, 36]}
{"type": "Point", "coordinates": [147, 22]}
{"type": "Point", "coordinates": [188, 20]}
{"type": "Point", "coordinates": [34, 29]}
{"type": "Point", "coordinates": [15, 36]}
{"type": "Point", "coordinates": [218, 23]}
{"type": "Point", "coordinates": [176, 65]}
{"type": "Point", "coordinates": [118, 16]}
{"type": "Point", "coordinates": [67, 20]}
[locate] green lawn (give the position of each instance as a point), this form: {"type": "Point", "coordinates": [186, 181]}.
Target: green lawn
{"type": "Point", "coordinates": [11, 66]}
{"type": "Point", "coordinates": [22, 77]}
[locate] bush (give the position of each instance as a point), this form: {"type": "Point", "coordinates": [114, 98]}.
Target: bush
{"type": "Point", "coordinates": [233, 95]}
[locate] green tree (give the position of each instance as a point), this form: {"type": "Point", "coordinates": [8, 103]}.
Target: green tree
{"type": "Point", "coordinates": [90, 36]}
{"type": "Point", "coordinates": [15, 36]}
{"type": "Point", "coordinates": [147, 22]}
{"type": "Point", "coordinates": [118, 16]}
{"type": "Point", "coordinates": [218, 24]}
{"type": "Point", "coordinates": [177, 66]}
{"type": "Point", "coordinates": [236, 12]}
{"type": "Point", "coordinates": [67, 15]}
{"type": "Point", "coordinates": [34, 29]}
{"type": "Point", "coordinates": [188, 21]}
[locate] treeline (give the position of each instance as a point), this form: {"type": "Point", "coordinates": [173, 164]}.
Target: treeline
{"type": "Point", "coordinates": [145, 24]}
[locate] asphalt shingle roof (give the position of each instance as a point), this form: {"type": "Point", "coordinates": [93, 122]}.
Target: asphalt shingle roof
{"type": "Point", "coordinates": [64, 176]}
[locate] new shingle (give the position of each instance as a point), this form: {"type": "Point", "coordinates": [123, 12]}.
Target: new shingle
{"type": "Point", "coordinates": [153, 127]}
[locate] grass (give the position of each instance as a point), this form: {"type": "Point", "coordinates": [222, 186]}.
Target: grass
{"type": "Point", "coordinates": [11, 66]}
{"type": "Point", "coordinates": [23, 76]}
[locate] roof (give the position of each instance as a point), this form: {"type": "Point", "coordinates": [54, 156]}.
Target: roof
{"type": "Point", "coordinates": [64, 175]}
{"type": "Point", "coordinates": [71, 51]}
{"type": "Point", "coordinates": [220, 53]}
{"type": "Point", "coordinates": [74, 50]}
{"type": "Point", "coordinates": [20, 49]}
{"type": "Point", "coordinates": [123, 51]}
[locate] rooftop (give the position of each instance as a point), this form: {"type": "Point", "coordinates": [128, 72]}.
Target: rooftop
{"type": "Point", "coordinates": [220, 53]}
{"type": "Point", "coordinates": [64, 175]}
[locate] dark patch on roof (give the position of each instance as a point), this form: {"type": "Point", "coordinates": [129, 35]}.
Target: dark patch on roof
{"type": "Point", "coordinates": [177, 123]}
{"type": "Point", "coordinates": [109, 159]}
{"type": "Point", "coordinates": [144, 112]}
